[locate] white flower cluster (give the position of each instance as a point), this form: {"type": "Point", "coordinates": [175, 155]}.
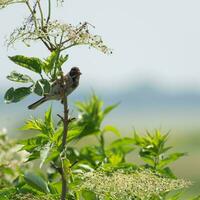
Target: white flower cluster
{"type": "Point", "coordinates": [59, 34]}
{"type": "Point", "coordinates": [10, 157]}
{"type": "Point", "coordinates": [143, 185]}
{"type": "Point", "coordinates": [4, 3]}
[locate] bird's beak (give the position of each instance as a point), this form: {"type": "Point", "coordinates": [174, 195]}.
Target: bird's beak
{"type": "Point", "coordinates": [80, 73]}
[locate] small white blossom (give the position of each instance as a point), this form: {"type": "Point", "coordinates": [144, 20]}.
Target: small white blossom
{"type": "Point", "coordinates": [123, 186]}
{"type": "Point", "coordinates": [4, 130]}
{"type": "Point", "coordinates": [56, 33]}
{"type": "Point", "coordinates": [4, 3]}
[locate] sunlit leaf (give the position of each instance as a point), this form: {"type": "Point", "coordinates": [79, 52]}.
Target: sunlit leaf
{"type": "Point", "coordinates": [108, 109]}
{"type": "Point", "coordinates": [36, 182]}
{"type": "Point", "coordinates": [50, 62]}
{"type": "Point", "coordinates": [109, 128]}
{"type": "Point", "coordinates": [21, 78]}
{"type": "Point", "coordinates": [170, 158]}
{"type": "Point", "coordinates": [31, 63]}
{"type": "Point", "coordinates": [48, 119]}
{"type": "Point", "coordinates": [33, 124]}
{"type": "Point", "coordinates": [62, 60]}
{"type": "Point", "coordinates": [44, 153]}
{"type": "Point", "coordinates": [122, 145]}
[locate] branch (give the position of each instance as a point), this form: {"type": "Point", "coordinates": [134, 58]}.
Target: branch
{"type": "Point", "coordinates": [46, 44]}
{"type": "Point", "coordinates": [41, 13]}
{"type": "Point", "coordinates": [33, 14]}
{"type": "Point", "coordinates": [65, 120]}
{"type": "Point", "coordinates": [49, 11]}
{"type": "Point", "coordinates": [77, 32]}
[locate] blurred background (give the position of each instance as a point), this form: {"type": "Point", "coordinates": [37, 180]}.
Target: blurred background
{"type": "Point", "coordinates": [154, 71]}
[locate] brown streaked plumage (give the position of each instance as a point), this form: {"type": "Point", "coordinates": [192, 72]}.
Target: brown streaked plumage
{"type": "Point", "coordinates": [71, 82]}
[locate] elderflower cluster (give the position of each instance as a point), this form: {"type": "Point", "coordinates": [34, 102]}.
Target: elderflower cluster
{"type": "Point", "coordinates": [56, 33]}
{"type": "Point", "coordinates": [119, 185]}
{"type": "Point", "coordinates": [4, 3]}
{"type": "Point", "coordinates": [10, 157]}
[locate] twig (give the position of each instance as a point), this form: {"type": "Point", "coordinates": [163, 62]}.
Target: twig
{"type": "Point", "coordinates": [64, 138]}
{"type": "Point", "coordinates": [49, 11]}
{"type": "Point", "coordinates": [41, 13]}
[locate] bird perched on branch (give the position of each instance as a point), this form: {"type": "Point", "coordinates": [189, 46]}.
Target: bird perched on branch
{"type": "Point", "coordinates": [67, 85]}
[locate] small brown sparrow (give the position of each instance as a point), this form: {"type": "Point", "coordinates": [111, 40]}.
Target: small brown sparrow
{"type": "Point", "coordinates": [71, 82]}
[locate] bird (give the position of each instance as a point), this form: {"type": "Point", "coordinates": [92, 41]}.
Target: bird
{"type": "Point", "coordinates": [71, 82]}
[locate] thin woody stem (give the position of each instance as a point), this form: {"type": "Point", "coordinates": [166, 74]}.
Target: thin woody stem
{"type": "Point", "coordinates": [64, 138]}
{"type": "Point", "coordinates": [49, 11]}
{"type": "Point", "coordinates": [48, 43]}
{"type": "Point", "coordinates": [33, 14]}
{"type": "Point", "coordinates": [41, 13]}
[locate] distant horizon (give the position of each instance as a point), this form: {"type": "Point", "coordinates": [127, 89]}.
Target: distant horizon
{"type": "Point", "coordinates": [149, 44]}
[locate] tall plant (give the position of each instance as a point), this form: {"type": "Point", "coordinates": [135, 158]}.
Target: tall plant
{"type": "Point", "coordinates": [57, 38]}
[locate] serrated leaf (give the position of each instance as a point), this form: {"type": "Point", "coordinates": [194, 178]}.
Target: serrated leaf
{"type": "Point", "coordinates": [21, 78]}
{"type": "Point", "coordinates": [33, 124]}
{"type": "Point", "coordinates": [31, 63]}
{"type": "Point", "coordinates": [36, 182]}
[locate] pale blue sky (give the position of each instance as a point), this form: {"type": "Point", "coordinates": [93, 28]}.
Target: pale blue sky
{"type": "Point", "coordinates": [155, 40]}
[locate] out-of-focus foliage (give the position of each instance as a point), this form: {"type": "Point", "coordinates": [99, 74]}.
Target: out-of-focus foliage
{"type": "Point", "coordinates": [154, 152]}
{"type": "Point", "coordinates": [103, 161]}
{"type": "Point", "coordinates": [13, 194]}
{"type": "Point", "coordinates": [11, 160]}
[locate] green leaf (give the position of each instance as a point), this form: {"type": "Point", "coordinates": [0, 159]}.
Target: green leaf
{"type": "Point", "coordinates": [122, 145]}
{"type": "Point", "coordinates": [38, 88]}
{"type": "Point", "coordinates": [50, 62]}
{"type": "Point", "coordinates": [21, 93]}
{"type": "Point", "coordinates": [62, 60]}
{"type": "Point", "coordinates": [48, 118]}
{"type": "Point", "coordinates": [88, 195]}
{"type": "Point", "coordinates": [108, 109]}
{"type": "Point", "coordinates": [167, 172]}
{"type": "Point", "coordinates": [115, 159]}
{"type": "Point", "coordinates": [112, 129]}
{"type": "Point", "coordinates": [21, 78]}
{"type": "Point", "coordinates": [31, 63]}
{"type": "Point", "coordinates": [9, 96]}
{"type": "Point", "coordinates": [44, 153]}
{"type": "Point", "coordinates": [196, 198]}
{"type": "Point", "coordinates": [170, 158]}
{"type": "Point", "coordinates": [46, 85]}
{"type": "Point", "coordinates": [15, 95]}
{"type": "Point", "coordinates": [42, 87]}
{"type": "Point", "coordinates": [36, 182]}
{"type": "Point", "coordinates": [33, 124]}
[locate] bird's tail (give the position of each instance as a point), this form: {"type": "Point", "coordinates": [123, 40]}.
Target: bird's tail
{"type": "Point", "coordinates": [37, 103]}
